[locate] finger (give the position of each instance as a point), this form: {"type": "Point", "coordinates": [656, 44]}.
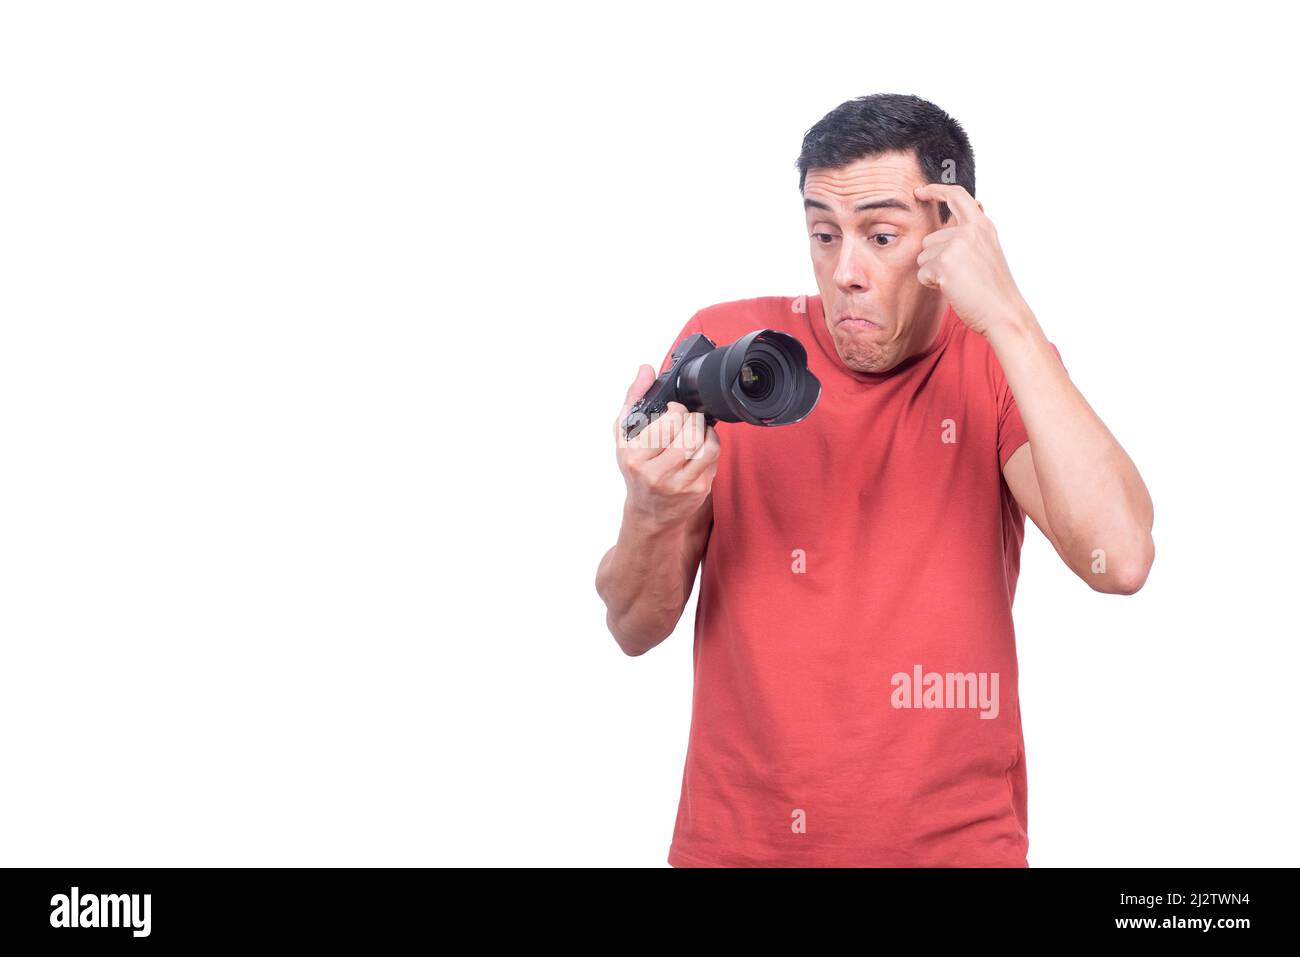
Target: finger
{"type": "Point", "coordinates": [959, 201]}
{"type": "Point", "coordinates": [645, 377]}
{"type": "Point", "coordinates": [692, 435]}
{"type": "Point", "coordinates": [677, 444]}
{"type": "Point", "coordinates": [688, 437]}
{"type": "Point", "coordinates": [665, 431]}
{"type": "Point", "coordinates": [940, 236]}
{"type": "Point", "coordinates": [927, 275]}
{"type": "Point", "coordinates": [677, 456]}
{"type": "Point", "coordinates": [658, 435]}
{"type": "Point", "coordinates": [708, 453]}
{"type": "Point", "coordinates": [929, 254]}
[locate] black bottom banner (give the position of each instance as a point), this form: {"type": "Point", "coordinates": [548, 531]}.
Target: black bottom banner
{"type": "Point", "coordinates": [369, 908]}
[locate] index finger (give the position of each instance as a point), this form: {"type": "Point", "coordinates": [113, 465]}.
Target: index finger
{"type": "Point", "coordinates": [959, 201]}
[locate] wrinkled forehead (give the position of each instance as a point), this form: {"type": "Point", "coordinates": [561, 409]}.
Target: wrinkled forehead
{"type": "Point", "coordinates": [886, 180]}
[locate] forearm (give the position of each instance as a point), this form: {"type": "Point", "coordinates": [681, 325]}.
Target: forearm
{"type": "Point", "coordinates": [642, 581]}
{"type": "Point", "coordinates": [1095, 501]}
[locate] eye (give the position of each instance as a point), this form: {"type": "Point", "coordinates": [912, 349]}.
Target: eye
{"type": "Point", "coordinates": [824, 239]}
{"type": "Point", "coordinates": [884, 236]}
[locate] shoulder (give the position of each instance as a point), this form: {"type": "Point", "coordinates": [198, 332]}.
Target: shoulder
{"type": "Point", "coordinates": [975, 353]}
{"type": "Point", "coordinates": [725, 321]}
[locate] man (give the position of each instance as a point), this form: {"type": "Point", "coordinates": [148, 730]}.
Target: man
{"type": "Point", "coordinates": [855, 697]}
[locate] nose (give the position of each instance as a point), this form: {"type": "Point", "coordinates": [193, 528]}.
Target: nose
{"type": "Point", "coordinates": [852, 268]}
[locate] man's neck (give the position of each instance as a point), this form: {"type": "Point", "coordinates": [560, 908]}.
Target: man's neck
{"type": "Point", "coordinates": [932, 329]}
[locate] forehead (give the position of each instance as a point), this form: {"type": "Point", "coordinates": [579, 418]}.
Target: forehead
{"type": "Point", "coordinates": [883, 176]}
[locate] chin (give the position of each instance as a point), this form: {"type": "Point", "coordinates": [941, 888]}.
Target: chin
{"type": "Point", "coordinates": [861, 360]}
{"type": "Point", "coordinates": [862, 357]}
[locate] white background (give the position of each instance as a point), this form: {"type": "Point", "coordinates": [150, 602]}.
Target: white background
{"type": "Point", "coordinates": [315, 319]}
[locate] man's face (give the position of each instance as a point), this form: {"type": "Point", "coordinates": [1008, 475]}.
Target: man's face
{"type": "Point", "coordinates": [866, 227]}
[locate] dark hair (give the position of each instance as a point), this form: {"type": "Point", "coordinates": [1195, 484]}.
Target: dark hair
{"type": "Point", "coordinates": [884, 122]}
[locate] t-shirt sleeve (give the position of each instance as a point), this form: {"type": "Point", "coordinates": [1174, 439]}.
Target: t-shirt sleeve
{"type": "Point", "coordinates": [692, 326]}
{"type": "Point", "coordinates": [1011, 428]}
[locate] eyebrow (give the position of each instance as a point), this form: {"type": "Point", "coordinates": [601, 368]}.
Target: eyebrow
{"type": "Point", "coordinates": [862, 207]}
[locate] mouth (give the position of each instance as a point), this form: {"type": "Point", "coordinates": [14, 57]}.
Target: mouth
{"type": "Point", "coordinates": [856, 322]}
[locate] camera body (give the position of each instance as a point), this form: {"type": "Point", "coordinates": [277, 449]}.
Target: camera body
{"type": "Point", "coordinates": [761, 378]}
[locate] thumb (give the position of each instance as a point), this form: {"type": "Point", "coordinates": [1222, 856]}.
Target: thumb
{"type": "Point", "coordinates": [645, 377]}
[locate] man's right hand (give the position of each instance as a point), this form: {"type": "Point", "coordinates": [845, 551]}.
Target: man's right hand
{"type": "Point", "coordinates": [645, 580]}
{"type": "Point", "coordinates": [670, 464]}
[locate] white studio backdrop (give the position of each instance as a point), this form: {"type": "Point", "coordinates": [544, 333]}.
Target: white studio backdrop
{"type": "Point", "coordinates": [315, 320]}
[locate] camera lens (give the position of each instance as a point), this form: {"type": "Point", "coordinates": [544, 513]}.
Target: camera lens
{"type": "Point", "coordinates": [756, 379]}
{"type": "Point", "coordinates": [761, 378]}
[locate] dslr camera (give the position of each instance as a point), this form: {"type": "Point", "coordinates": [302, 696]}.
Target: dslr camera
{"type": "Point", "coordinates": [761, 378]}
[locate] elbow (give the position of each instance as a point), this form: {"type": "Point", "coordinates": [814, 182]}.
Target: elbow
{"type": "Point", "coordinates": [633, 627]}
{"type": "Point", "coordinates": [636, 625]}
{"type": "Point", "coordinates": [1126, 573]}
{"type": "Point", "coordinates": [1127, 581]}
{"type": "Point", "coordinates": [634, 643]}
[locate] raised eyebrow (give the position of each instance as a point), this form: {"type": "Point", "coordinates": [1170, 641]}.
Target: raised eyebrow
{"type": "Point", "coordinates": [863, 206]}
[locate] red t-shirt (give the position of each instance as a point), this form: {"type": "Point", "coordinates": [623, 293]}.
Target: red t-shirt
{"type": "Point", "coordinates": [855, 700]}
